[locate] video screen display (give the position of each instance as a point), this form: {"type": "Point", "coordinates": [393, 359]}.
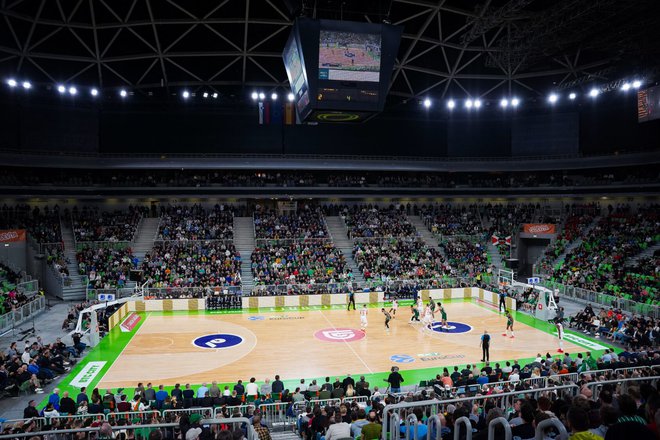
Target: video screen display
{"type": "Point", "coordinates": [648, 104]}
{"type": "Point", "coordinates": [293, 64]}
{"type": "Point", "coordinates": [349, 56]}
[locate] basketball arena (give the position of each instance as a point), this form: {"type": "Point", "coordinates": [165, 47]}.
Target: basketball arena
{"type": "Point", "coordinates": [286, 219]}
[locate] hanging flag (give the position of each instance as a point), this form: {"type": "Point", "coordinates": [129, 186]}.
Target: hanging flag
{"type": "Point", "coordinates": [495, 239]}
{"type": "Point", "coordinates": [507, 240]}
{"type": "Point", "coordinates": [264, 113]}
{"type": "Point", "coordinates": [289, 113]}
{"type": "Point", "coordinates": [276, 113]}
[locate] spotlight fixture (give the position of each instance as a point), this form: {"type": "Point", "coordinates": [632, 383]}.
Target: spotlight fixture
{"type": "Point", "coordinates": [290, 97]}
{"type": "Point", "coordinates": [123, 93]}
{"type": "Point", "coordinates": [205, 95]}
{"type": "Point", "coordinates": [637, 84]}
{"type": "Point", "coordinates": [553, 98]}
{"type": "Point", "coordinates": [477, 103]}
{"type": "Point", "coordinates": [427, 103]}
{"type": "Point", "coordinates": [73, 91]}
{"type": "Point", "coordinates": [185, 94]}
{"type": "Point", "coordinates": [61, 89]}
{"type": "Point", "coordinates": [593, 93]}
{"type": "Point", "coordinates": [451, 104]}
{"type": "Point", "coordinates": [11, 82]}
{"type": "Point", "coordinates": [27, 85]}
{"type": "Point", "coordinates": [255, 96]}
{"type": "Point", "coordinates": [468, 104]}
{"type": "Point", "coordinates": [94, 92]}
{"type": "Point", "coordinates": [572, 96]}
{"type": "Point", "coordinates": [515, 102]}
{"type": "Point", "coordinates": [625, 87]}
{"type": "Point", "coordinates": [215, 95]}
{"type": "Point", "coordinates": [504, 103]}
{"type": "Point", "coordinates": [262, 95]}
{"type": "Point", "coordinates": [273, 96]}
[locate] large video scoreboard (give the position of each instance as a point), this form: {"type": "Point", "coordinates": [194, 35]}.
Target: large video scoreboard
{"type": "Point", "coordinates": [339, 71]}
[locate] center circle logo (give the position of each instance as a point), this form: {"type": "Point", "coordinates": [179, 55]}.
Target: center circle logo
{"type": "Point", "coordinates": [452, 327]}
{"type": "Point", "coordinates": [339, 334]}
{"type": "Point", "coordinates": [402, 358]}
{"type": "Point", "coordinates": [217, 341]}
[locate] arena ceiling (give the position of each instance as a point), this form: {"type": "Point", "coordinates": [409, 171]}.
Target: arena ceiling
{"type": "Point", "coordinates": [484, 48]}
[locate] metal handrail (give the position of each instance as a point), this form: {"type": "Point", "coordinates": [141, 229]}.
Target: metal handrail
{"type": "Point", "coordinates": [468, 428]}
{"type": "Point", "coordinates": [499, 421]}
{"type": "Point", "coordinates": [563, 434]}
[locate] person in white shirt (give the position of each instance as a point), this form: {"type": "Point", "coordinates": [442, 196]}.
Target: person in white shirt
{"type": "Point", "coordinates": [514, 377]}
{"type": "Point", "coordinates": [363, 318]}
{"type": "Point", "coordinates": [25, 357]}
{"type": "Point", "coordinates": [252, 389]}
{"type": "Point", "coordinates": [394, 308]}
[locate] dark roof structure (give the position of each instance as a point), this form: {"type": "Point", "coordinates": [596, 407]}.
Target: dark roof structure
{"type": "Point", "coordinates": [483, 48]}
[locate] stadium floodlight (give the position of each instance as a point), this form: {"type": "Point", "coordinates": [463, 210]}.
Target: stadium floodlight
{"type": "Point", "coordinates": [593, 93]}
{"type": "Point", "coordinates": [451, 104]}
{"type": "Point", "coordinates": [427, 103]}
{"type": "Point", "coordinates": [273, 96]}
{"type": "Point", "coordinates": [553, 98]}
{"type": "Point", "coordinates": [73, 91]}
{"type": "Point", "coordinates": [290, 97]}
{"type": "Point", "coordinates": [572, 96]}
{"type": "Point", "coordinates": [637, 84]}
{"type": "Point", "coordinates": [205, 94]}
{"type": "Point", "coordinates": [504, 103]}
{"type": "Point", "coordinates": [477, 103]}
{"type": "Point", "coordinates": [94, 92]}
{"type": "Point", "coordinates": [262, 96]}
{"type": "Point", "coordinates": [215, 95]}
{"type": "Point", "coordinates": [61, 89]}
{"type": "Point", "coordinates": [185, 94]}
{"type": "Point", "coordinates": [515, 102]}
{"type": "Point", "coordinates": [27, 85]}
{"type": "Point", "coordinates": [468, 104]}
{"type": "Point", "coordinates": [123, 93]}
{"type": "Point", "coordinates": [255, 96]}
{"type": "Point", "coordinates": [11, 82]}
{"type": "Point", "coordinates": [625, 87]}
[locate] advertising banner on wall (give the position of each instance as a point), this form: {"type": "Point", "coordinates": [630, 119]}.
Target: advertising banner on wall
{"type": "Point", "coordinates": [10, 235]}
{"type": "Point", "coordinates": [539, 228]}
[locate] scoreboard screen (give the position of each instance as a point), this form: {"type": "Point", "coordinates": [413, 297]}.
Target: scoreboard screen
{"type": "Point", "coordinates": [349, 56]}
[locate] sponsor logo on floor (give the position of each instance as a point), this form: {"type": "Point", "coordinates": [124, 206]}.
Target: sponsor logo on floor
{"type": "Point", "coordinates": [402, 358]}
{"type": "Point", "coordinates": [425, 357]}
{"type": "Point", "coordinates": [85, 377]}
{"type": "Point", "coordinates": [339, 334]}
{"type": "Point", "coordinates": [130, 322]}
{"type": "Point", "coordinates": [217, 341]}
{"type": "Point", "coordinates": [582, 341]}
{"type": "Point", "coordinates": [284, 317]}
{"type": "Point", "coordinates": [452, 327]}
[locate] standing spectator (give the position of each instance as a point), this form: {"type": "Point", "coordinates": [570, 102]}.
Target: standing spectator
{"type": "Point", "coordinates": [262, 431]}
{"type": "Point", "coordinates": [395, 379]}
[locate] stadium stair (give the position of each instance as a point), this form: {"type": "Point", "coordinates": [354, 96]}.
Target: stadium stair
{"type": "Point", "coordinates": [75, 289]}
{"type": "Point", "coordinates": [577, 242]}
{"type": "Point", "coordinates": [339, 234]}
{"type": "Point", "coordinates": [147, 232]}
{"type": "Point", "coordinates": [646, 253]}
{"type": "Point", "coordinates": [430, 240]}
{"type": "Point", "coordinates": [244, 242]}
{"type": "Point", "coordinates": [495, 257]}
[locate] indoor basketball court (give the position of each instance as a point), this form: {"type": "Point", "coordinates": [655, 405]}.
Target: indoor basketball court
{"type": "Point", "coordinates": [182, 347]}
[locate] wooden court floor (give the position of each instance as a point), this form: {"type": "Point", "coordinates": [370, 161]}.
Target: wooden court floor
{"type": "Point", "coordinates": [313, 344]}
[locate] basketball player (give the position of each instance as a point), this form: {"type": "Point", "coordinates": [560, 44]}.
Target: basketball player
{"type": "Point", "coordinates": [393, 309]}
{"type": "Point", "coordinates": [415, 314]}
{"type": "Point", "coordinates": [559, 324]}
{"type": "Point", "coordinates": [420, 305]}
{"type": "Point", "coordinates": [432, 306]}
{"type": "Point", "coordinates": [427, 318]}
{"type": "Point", "coordinates": [363, 318]}
{"type": "Point", "coordinates": [509, 325]}
{"type": "Point", "coordinates": [443, 315]}
{"type": "Point", "coordinates": [388, 317]}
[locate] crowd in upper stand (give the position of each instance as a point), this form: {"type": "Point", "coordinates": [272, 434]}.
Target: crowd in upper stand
{"type": "Point", "coordinates": [306, 223]}
{"type": "Point", "coordinates": [447, 219]}
{"type": "Point", "coordinates": [192, 264]}
{"type": "Point", "coordinates": [93, 224]}
{"type": "Point", "coordinates": [196, 223]}
{"type": "Point", "coordinates": [302, 262]}
{"type": "Point", "coordinates": [367, 221]}
{"type": "Point", "coordinates": [42, 223]}
{"type": "Point", "coordinates": [598, 263]}
{"type": "Point", "coordinates": [466, 257]}
{"type": "Point", "coordinates": [334, 178]}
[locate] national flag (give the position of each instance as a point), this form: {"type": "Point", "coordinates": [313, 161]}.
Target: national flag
{"type": "Point", "coordinates": [507, 240]}
{"type": "Point", "coordinates": [495, 239]}
{"type": "Point", "coordinates": [289, 113]}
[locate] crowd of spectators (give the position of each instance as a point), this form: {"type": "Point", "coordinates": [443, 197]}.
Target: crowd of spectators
{"type": "Point", "coordinates": [105, 267]}
{"type": "Point", "coordinates": [367, 221]}
{"type": "Point", "coordinates": [307, 223]}
{"type": "Point", "coordinates": [449, 219]}
{"type": "Point", "coordinates": [598, 263]}
{"type": "Point", "coordinates": [10, 297]}
{"type": "Point", "coordinates": [196, 223]}
{"type": "Point", "coordinates": [466, 257]}
{"type": "Point", "coordinates": [92, 224]}
{"type": "Point", "coordinates": [302, 262]}
{"type": "Point", "coordinates": [334, 178]}
{"type": "Point", "coordinates": [192, 264]}
{"type": "Point", "coordinates": [43, 224]}
{"type": "Point", "coordinates": [398, 258]}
